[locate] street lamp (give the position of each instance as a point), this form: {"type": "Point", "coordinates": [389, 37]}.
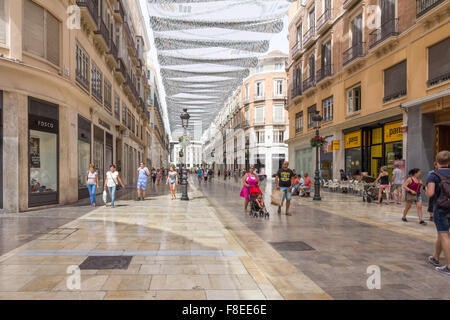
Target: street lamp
{"type": "Point", "coordinates": [184, 184]}
{"type": "Point", "coordinates": [317, 118]}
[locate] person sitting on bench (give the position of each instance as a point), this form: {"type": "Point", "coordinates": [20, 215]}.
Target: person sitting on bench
{"type": "Point", "coordinates": [305, 188]}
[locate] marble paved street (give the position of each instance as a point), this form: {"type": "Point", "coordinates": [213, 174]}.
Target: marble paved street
{"type": "Point", "coordinates": [208, 248]}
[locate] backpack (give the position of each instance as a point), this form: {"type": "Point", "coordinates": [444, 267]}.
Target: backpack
{"type": "Point", "coordinates": [443, 200]}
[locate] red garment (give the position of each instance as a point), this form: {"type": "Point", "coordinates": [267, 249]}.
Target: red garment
{"type": "Point", "coordinates": [308, 182]}
{"type": "Point", "coordinates": [255, 190]}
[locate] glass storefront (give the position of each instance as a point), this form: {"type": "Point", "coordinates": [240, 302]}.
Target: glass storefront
{"type": "Point", "coordinates": [304, 161]}
{"type": "Point", "coordinates": [99, 154]}
{"type": "Point", "coordinates": [326, 159]}
{"type": "Point", "coordinates": [260, 165]}
{"type": "Point", "coordinates": [353, 157]}
{"type": "Point", "coordinates": [277, 162]}
{"type": "Point", "coordinates": [43, 153]}
{"type": "Point", "coordinates": [109, 150]}
{"type": "Point", "coordinates": [84, 155]}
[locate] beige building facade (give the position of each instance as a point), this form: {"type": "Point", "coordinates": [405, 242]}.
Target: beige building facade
{"type": "Point", "coordinates": [378, 73]}
{"type": "Point", "coordinates": [70, 95]}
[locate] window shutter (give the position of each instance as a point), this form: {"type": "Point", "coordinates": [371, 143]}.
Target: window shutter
{"type": "Point", "coordinates": [2, 22]}
{"type": "Point", "coordinates": [438, 61]}
{"type": "Point", "coordinates": [33, 29]}
{"type": "Point", "coordinates": [52, 30]}
{"type": "Point", "coordinates": [350, 101]}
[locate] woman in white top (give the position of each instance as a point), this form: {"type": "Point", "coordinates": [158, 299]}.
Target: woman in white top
{"type": "Point", "coordinates": [92, 183]}
{"type": "Point", "coordinates": [112, 180]}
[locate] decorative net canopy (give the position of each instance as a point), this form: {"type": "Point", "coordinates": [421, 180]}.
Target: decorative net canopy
{"type": "Point", "coordinates": [206, 47]}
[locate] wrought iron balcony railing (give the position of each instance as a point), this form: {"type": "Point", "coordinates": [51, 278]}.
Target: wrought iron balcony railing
{"type": "Point", "coordinates": [311, 33]}
{"type": "Point", "coordinates": [388, 29]}
{"type": "Point", "coordinates": [103, 30]}
{"type": "Point", "coordinates": [297, 48]}
{"type": "Point", "coordinates": [296, 91]}
{"type": "Point", "coordinates": [438, 79]}
{"type": "Point", "coordinates": [394, 95]}
{"type": "Point", "coordinates": [423, 6]}
{"type": "Point", "coordinates": [309, 82]}
{"type": "Point", "coordinates": [326, 71]}
{"type": "Point", "coordinates": [324, 18]}
{"type": "Point", "coordinates": [92, 7]}
{"type": "Point", "coordinates": [353, 53]}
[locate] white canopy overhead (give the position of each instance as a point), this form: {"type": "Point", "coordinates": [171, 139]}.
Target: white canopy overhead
{"type": "Point", "coordinates": [206, 47]}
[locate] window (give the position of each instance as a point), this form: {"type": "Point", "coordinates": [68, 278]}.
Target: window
{"type": "Point", "coordinates": [259, 114]}
{"type": "Point", "coordinates": [279, 87]}
{"type": "Point", "coordinates": [327, 109]}
{"type": "Point", "coordinates": [96, 80]}
{"type": "Point", "coordinates": [133, 124]}
{"type": "Point", "coordinates": [312, 19]}
{"type": "Point", "coordinates": [299, 34]}
{"type": "Point", "coordinates": [439, 62]}
{"type": "Point", "coordinates": [129, 120]}
{"type": "Point", "coordinates": [124, 114]}
{"type": "Point", "coordinates": [354, 99]}
{"type": "Point", "coordinates": [247, 116]}
{"type": "Point", "coordinates": [311, 113]}
{"type": "Point", "coordinates": [260, 136]}
{"type": "Point", "coordinates": [82, 66]}
{"type": "Point", "coordinates": [3, 22]}
{"type": "Point", "coordinates": [260, 68]}
{"type": "Point", "coordinates": [247, 91]}
{"type": "Point", "coordinates": [278, 113]}
{"type": "Point", "coordinates": [40, 32]}
{"type": "Point", "coordinates": [259, 92]}
{"type": "Point", "coordinates": [278, 136]}
{"type": "Point", "coordinates": [116, 106]}
{"type": "Point", "coordinates": [395, 81]}
{"type": "Point", "coordinates": [108, 93]}
{"type": "Point", "coordinates": [299, 122]}
{"type": "Point", "coordinates": [278, 66]}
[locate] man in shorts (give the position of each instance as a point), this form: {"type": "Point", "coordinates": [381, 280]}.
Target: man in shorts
{"type": "Point", "coordinates": [283, 181]}
{"type": "Point", "coordinates": [397, 182]}
{"type": "Point", "coordinates": [441, 214]}
{"type": "Point", "coordinates": [143, 174]}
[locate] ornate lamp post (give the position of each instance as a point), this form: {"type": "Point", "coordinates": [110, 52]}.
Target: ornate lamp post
{"type": "Point", "coordinates": [317, 118]}
{"type": "Point", "coordinates": [184, 184]}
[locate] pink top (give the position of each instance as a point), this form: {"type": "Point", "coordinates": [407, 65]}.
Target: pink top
{"type": "Point", "coordinates": [252, 182]}
{"type": "Point", "coordinates": [414, 186]}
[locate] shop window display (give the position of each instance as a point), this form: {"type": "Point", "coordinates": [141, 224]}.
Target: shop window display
{"type": "Point", "coordinates": [43, 162]}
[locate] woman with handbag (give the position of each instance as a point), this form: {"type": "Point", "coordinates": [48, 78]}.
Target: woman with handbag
{"type": "Point", "coordinates": [412, 186]}
{"type": "Point", "coordinates": [112, 181]}
{"type": "Point", "coordinates": [249, 180]}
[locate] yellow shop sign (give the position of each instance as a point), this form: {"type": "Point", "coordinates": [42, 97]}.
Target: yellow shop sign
{"type": "Point", "coordinates": [393, 131]}
{"type": "Point", "coordinates": [353, 139]}
{"type": "Point", "coordinates": [336, 144]}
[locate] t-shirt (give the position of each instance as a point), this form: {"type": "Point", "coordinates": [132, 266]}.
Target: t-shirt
{"type": "Point", "coordinates": [153, 174]}
{"type": "Point", "coordinates": [92, 177]}
{"type": "Point", "coordinates": [285, 177]}
{"type": "Point", "coordinates": [434, 178]}
{"type": "Point", "coordinates": [111, 179]}
{"type": "Point", "coordinates": [308, 182]}
{"type": "Point", "coordinates": [344, 176]}
{"type": "Point", "coordinates": [398, 176]}
{"type": "Point", "coordinates": [173, 177]}
{"type": "Point", "coordinates": [199, 173]}
{"type": "Point", "coordinates": [142, 173]}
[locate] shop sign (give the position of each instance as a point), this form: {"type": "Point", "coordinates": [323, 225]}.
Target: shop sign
{"type": "Point", "coordinates": [104, 124]}
{"type": "Point", "coordinates": [353, 139]}
{"type": "Point", "coordinates": [393, 131]}
{"type": "Point", "coordinates": [336, 144]}
{"type": "Point", "coordinates": [43, 124]}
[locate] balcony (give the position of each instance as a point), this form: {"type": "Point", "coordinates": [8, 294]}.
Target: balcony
{"type": "Point", "coordinates": [120, 72]}
{"type": "Point", "coordinates": [89, 13]}
{"type": "Point", "coordinates": [387, 30]}
{"type": "Point", "coordinates": [325, 72]}
{"type": "Point", "coordinates": [309, 83]}
{"type": "Point", "coordinates": [395, 95]}
{"type": "Point", "coordinates": [352, 54]}
{"type": "Point", "coordinates": [119, 12]}
{"type": "Point", "coordinates": [423, 6]}
{"type": "Point", "coordinates": [131, 42]}
{"type": "Point", "coordinates": [246, 124]}
{"type": "Point", "coordinates": [349, 3]}
{"type": "Point", "coordinates": [112, 55]}
{"type": "Point", "coordinates": [101, 36]}
{"type": "Point", "coordinates": [296, 92]}
{"type": "Point", "coordinates": [259, 97]}
{"type": "Point", "coordinates": [324, 21]}
{"type": "Point", "coordinates": [296, 49]}
{"type": "Point", "coordinates": [309, 36]}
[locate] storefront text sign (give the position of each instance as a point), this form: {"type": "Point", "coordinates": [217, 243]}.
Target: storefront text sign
{"type": "Point", "coordinates": [353, 139]}
{"type": "Point", "coordinates": [393, 132]}
{"type": "Point", "coordinates": [336, 144]}
{"type": "Point", "coordinates": [104, 124]}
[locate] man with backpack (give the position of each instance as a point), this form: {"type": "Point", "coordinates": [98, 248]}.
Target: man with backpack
{"type": "Point", "coordinates": [438, 185]}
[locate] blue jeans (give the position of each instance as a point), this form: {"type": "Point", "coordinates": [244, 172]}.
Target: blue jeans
{"type": "Point", "coordinates": [287, 194]}
{"type": "Point", "coordinates": [91, 188]}
{"type": "Point", "coordinates": [112, 194]}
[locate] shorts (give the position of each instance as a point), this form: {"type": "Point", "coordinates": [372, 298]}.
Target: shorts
{"type": "Point", "coordinates": [441, 219]}
{"type": "Point", "coordinates": [412, 198]}
{"type": "Point", "coordinates": [172, 182]}
{"type": "Point", "coordinates": [142, 184]}
{"type": "Point", "coordinates": [287, 194]}
{"type": "Point", "coordinates": [396, 187]}
{"type": "Point", "coordinates": [384, 186]}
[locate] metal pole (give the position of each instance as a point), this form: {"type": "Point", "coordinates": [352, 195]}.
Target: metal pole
{"type": "Point", "coordinates": [184, 183]}
{"type": "Point", "coordinates": [317, 173]}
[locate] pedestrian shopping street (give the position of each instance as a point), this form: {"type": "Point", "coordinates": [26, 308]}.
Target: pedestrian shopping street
{"type": "Point", "coordinates": [208, 248]}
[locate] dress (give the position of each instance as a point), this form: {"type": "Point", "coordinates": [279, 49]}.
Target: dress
{"type": "Point", "coordinates": [252, 182]}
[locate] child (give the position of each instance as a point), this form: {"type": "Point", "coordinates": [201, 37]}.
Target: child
{"type": "Point", "coordinates": [260, 202]}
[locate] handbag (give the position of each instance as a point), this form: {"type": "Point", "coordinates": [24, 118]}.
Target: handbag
{"type": "Point", "coordinates": [118, 187]}
{"type": "Point", "coordinates": [277, 197]}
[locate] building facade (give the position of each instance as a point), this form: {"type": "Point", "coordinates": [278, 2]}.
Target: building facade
{"type": "Point", "coordinates": [378, 73]}
{"type": "Point", "coordinates": [193, 158]}
{"type": "Point", "coordinates": [74, 95]}
{"type": "Point", "coordinates": [252, 127]}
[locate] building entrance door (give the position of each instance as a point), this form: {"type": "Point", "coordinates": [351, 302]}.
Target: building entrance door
{"type": "Point", "coordinates": [443, 134]}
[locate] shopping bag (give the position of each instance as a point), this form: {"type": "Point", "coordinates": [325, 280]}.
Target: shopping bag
{"type": "Point", "coordinates": [105, 196]}
{"type": "Point", "coordinates": [277, 197]}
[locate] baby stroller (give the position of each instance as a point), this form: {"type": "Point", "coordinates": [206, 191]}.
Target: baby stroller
{"type": "Point", "coordinates": [370, 192]}
{"type": "Point", "coordinates": [255, 210]}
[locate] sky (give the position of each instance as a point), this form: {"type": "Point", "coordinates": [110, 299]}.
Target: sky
{"type": "Point", "coordinates": [278, 42]}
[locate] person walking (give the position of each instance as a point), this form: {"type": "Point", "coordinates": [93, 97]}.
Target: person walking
{"type": "Point", "coordinates": [172, 181]}
{"type": "Point", "coordinates": [112, 181]}
{"type": "Point", "coordinates": [412, 186]}
{"type": "Point", "coordinates": [383, 177]}
{"type": "Point", "coordinates": [249, 180]}
{"type": "Point", "coordinates": [153, 175]}
{"type": "Point", "coordinates": [205, 175]}
{"type": "Point", "coordinates": [283, 181]}
{"type": "Point", "coordinates": [143, 173]}
{"type": "Point", "coordinates": [199, 175]}
{"type": "Point", "coordinates": [92, 183]}
{"type": "Point", "coordinates": [396, 184]}
{"type": "Point", "coordinates": [431, 200]}
{"type": "Point", "coordinates": [159, 176]}
{"type": "Point", "coordinates": [438, 186]}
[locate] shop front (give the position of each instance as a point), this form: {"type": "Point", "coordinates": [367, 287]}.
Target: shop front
{"type": "Point", "coordinates": [84, 155]}
{"type": "Point", "coordinates": [326, 159]}
{"type": "Point", "coordinates": [99, 153]}
{"type": "Point", "coordinates": [1, 149]}
{"type": "Point", "coordinates": [304, 161]}
{"type": "Point", "coordinates": [43, 153]}
{"type": "Point", "coordinates": [373, 146]}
